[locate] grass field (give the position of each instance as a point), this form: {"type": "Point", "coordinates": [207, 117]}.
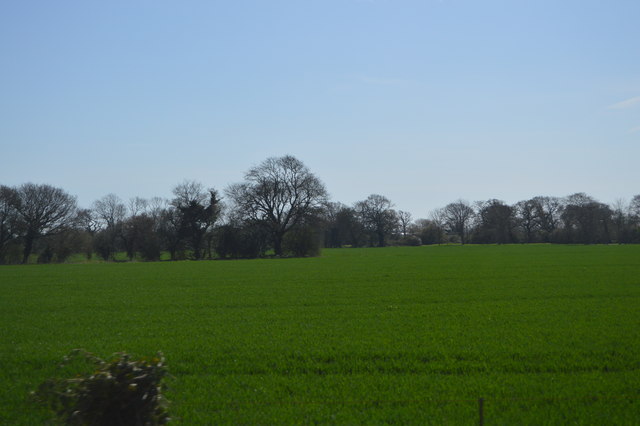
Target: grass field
{"type": "Point", "coordinates": [546, 334]}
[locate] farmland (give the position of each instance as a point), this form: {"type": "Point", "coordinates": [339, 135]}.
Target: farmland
{"type": "Point", "coordinates": [546, 334]}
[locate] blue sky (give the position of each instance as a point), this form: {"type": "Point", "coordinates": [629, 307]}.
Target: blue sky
{"type": "Point", "coordinates": [423, 101]}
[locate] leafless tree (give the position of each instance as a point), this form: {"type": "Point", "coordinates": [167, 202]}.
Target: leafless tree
{"type": "Point", "coordinates": [620, 218]}
{"type": "Point", "coordinates": [8, 218]}
{"type": "Point", "coordinates": [586, 220]}
{"type": "Point", "coordinates": [378, 217]}
{"type": "Point", "coordinates": [110, 210]}
{"type": "Point", "coordinates": [43, 210]}
{"type": "Point", "coordinates": [86, 220]}
{"type": "Point", "coordinates": [405, 220]}
{"type": "Point", "coordinates": [548, 212]}
{"type": "Point", "coordinates": [634, 208]}
{"type": "Point", "coordinates": [527, 218]}
{"type": "Point", "coordinates": [155, 206]}
{"type": "Point", "coordinates": [111, 213]}
{"type": "Point", "coordinates": [137, 206]}
{"type": "Point", "coordinates": [437, 216]}
{"type": "Point", "coordinates": [458, 216]}
{"type": "Point", "coordinates": [189, 191]}
{"type": "Point", "coordinates": [279, 193]}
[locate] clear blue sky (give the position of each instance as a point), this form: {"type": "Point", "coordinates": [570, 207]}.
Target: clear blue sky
{"type": "Point", "coordinates": [423, 101]}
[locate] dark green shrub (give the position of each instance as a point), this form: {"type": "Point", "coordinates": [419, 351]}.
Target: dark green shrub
{"type": "Point", "coordinates": [302, 241]}
{"type": "Point", "coordinates": [227, 241]}
{"type": "Point", "coordinates": [247, 240]}
{"type": "Point", "coordinates": [104, 243]}
{"type": "Point", "coordinates": [120, 391]}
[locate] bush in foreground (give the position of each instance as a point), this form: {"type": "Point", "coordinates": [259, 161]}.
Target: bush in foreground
{"type": "Point", "coordinates": [120, 391]}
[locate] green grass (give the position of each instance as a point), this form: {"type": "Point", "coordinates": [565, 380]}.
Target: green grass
{"type": "Point", "coordinates": [546, 334]}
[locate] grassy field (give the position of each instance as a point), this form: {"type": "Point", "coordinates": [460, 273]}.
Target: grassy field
{"type": "Point", "coordinates": [546, 334]}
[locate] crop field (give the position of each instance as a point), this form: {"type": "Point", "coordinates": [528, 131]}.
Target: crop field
{"type": "Point", "coordinates": [545, 334]}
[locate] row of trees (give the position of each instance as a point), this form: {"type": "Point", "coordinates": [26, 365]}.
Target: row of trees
{"type": "Point", "coordinates": [276, 207]}
{"type": "Point", "coordinates": [577, 218]}
{"type": "Point", "coordinates": [281, 207]}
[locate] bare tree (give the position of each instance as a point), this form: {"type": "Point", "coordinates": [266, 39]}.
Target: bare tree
{"type": "Point", "coordinates": [437, 216]}
{"type": "Point", "coordinates": [8, 218]}
{"type": "Point", "coordinates": [43, 210]}
{"type": "Point", "coordinates": [110, 213]}
{"type": "Point", "coordinates": [620, 219]}
{"type": "Point", "coordinates": [155, 206]}
{"type": "Point", "coordinates": [458, 216]}
{"type": "Point", "coordinates": [137, 206]}
{"type": "Point", "coordinates": [527, 218]}
{"type": "Point", "coordinates": [634, 208]}
{"type": "Point", "coordinates": [587, 220]}
{"type": "Point", "coordinates": [279, 193]}
{"type": "Point", "coordinates": [405, 220]}
{"type": "Point", "coordinates": [378, 217]}
{"type": "Point", "coordinates": [110, 210]}
{"type": "Point", "coordinates": [548, 212]}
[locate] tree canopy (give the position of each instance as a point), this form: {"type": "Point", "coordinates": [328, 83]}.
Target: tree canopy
{"type": "Point", "coordinates": [279, 193]}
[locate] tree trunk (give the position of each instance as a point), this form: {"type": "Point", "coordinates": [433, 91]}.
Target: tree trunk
{"type": "Point", "coordinates": [277, 244]}
{"type": "Point", "coordinates": [28, 246]}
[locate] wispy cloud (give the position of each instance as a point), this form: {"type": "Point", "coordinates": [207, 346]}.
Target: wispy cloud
{"type": "Point", "coordinates": [635, 130]}
{"type": "Point", "coordinates": [626, 103]}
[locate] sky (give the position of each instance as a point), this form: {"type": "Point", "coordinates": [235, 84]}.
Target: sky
{"type": "Point", "coordinates": [422, 101]}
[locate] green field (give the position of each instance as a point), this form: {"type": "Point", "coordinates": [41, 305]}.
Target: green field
{"type": "Point", "coordinates": [546, 334]}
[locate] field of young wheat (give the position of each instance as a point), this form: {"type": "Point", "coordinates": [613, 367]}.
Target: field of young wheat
{"type": "Point", "coordinates": [545, 334]}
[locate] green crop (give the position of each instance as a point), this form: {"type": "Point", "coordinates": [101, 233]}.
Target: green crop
{"type": "Point", "coordinates": [545, 334]}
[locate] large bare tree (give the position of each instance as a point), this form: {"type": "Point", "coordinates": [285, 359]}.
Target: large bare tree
{"type": "Point", "coordinates": [527, 218]}
{"type": "Point", "coordinates": [378, 217]}
{"type": "Point", "coordinates": [110, 210]}
{"type": "Point", "coordinates": [43, 210]}
{"type": "Point", "coordinates": [548, 212]}
{"type": "Point", "coordinates": [458, 216]}
{"type": "Point", "coordinates": [279, 193]}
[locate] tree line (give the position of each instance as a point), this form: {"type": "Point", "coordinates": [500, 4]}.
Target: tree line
{"type": "Point", "coordinates": [282, 209]}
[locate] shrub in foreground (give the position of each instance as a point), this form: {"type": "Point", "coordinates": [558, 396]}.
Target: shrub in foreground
{"type": "Point", "coordinates": [120, 391]}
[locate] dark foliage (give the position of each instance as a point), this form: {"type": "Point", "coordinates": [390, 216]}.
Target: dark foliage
{"type": "Point", "coordinates": [302, 241]}
{"type": "Point", "coordinates": [279, 194]}
{"type": "Point", "coordinates": [282, 208]}
{"type": "Point", "coordinates": [120, 391]}
{"type": "Point", "coordinates": [249, 240]}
